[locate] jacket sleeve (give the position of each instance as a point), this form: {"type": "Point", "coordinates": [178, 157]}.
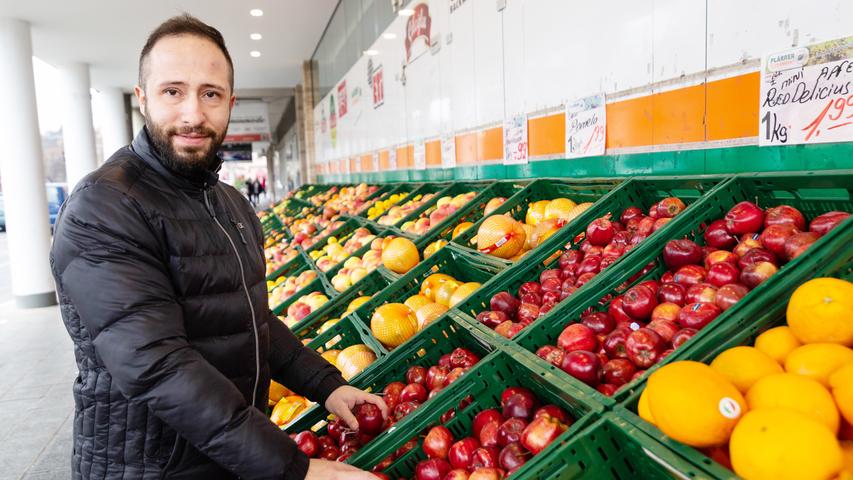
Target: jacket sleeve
{"type": "Point", "coordinates": [106, 264]}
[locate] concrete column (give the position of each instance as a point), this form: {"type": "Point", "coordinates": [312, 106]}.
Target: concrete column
{"type": "Point", "coordinates": [78, 133]}
{"type": "Point", "coordinates": [115, 128]}
{"type": "Point", "coordinates": [22, 171]}
{"type": "Point", "coordinates": [309, 93]}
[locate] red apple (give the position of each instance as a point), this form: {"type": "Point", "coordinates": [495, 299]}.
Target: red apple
{"type": "Point", "coordinates": [455, 374]}
{"type": "Point", "coordinates": [391, 394]}
{"type": "Point", "coordinates": [747, 242]}
{"type": "Point", "coordinates": [492, 319]}
{"type": "Point", "coordinates": [326, 441]}
{"type": "Point", "coordinates": [745, 217]}
{"type": "Point", "coordinates": [583, 365]}
{"type": "Point", "coordinates": [461, 452]}
{"type": "Point", "coordinates": [529, 287]}
{"type": "Point", "coordinates": [590, 264]}
{"type": "Point", "coordinates": [666, 311]}
{"type": "Point", "coordinates": [570, 257]}
{"type": "Point", "coordinates": [618, 371]}
{"type": "Point", "coordinates": [413, 392]}
{"type": "Point", "coordinates": [350, 446]}
{"type": "Point", "coordinates": [798, 243]}
{"type": "Point", "coordinates": [697, 315]}
{"type": "Point", "coordinates": [717, 236]}
{"type": "Point", "coordinates": [437, 442]}
{"type": "Point", "coordinates": [784, 215]}
{"type": "Point", "coordinates": [682, 336]}
{"type": "Point", "coordinates": [403, 409]}
{"type": "Point", "coordinates": [672, 292]}
{"type": "Point", "coordinates": [720, 256]}
{"type": "Point", "coordinates": [541, 432]}
{"type": "Point", "coordinates": [510, 431]}
{"type": "Point", "coordinates": [702, 292]}
{"type": "Point", "coordinates": [678, 253]}
{"type": "Point", "coordinates": [463, 358]}
{"type": "Point", "coordinates": [482, 418]}
{"type": "Point", "coordinates": [551, 354]}
{"type": "Point", "coordinates": [432, 469]}
{"type": "Point", "coordinates": [639, 301]}
{"type": "Point", "coordinates": [644, 347]}
{"type": "Point", "coordinates": [369, 418]}
{"type": "Point", "coordinates": [513, 456]}
{"type": "Point", "coordinates": [457, 474]}
{"type": "Point", "coordinates": [670, 207]}
{"type": "Point", "coordinates": [729, 295]}
{"type": "Point", "coordinates": [757, 273]}
{"type": "Point", "coordinates": [616, 310]}
{"type": "Point", "coordinates": [490, 432]}
{"type": "Point", "coordinates": [527, 313]}
{"type": "Point", "coordinates": [406, 448]}
{"type": "Point", "coordinates": [519, 405]}
{"type": "Point", "coordinates": [690, 275]}
{"type": "Point", "coordinates": [665, 328]}
{"type": "Point", "coordinates": [307, 443]}
{"type": "Point", "coordinates": [416, 374]}
{"type": "Point", "coordinates": [487, 474]}
{"type": "Point", "coordinates": [338, 431]}
{"type": "Point", "coordinates": [773, 238]}
{"type": "Point", "coordinates": [546, 274]}
{"type": "Point", "coordinates": [577, 336]}
{"type": "Point", "coordinates": [554, 411]}
{"type": "Point", "coordinates": [630, 213]}
{"type": "Point", "coordinates": [446, 416]}
{"type": "Point", "coordinates": [550, 297]}
{"type": "Point", "coordinates": [504, 302]}
{"type": "Point", "coordinates": [583, 279]}
{"type": "Point", "coordinates": [485, 457]}
{"type": "Point", "coordinates": [504, 328]}
{"type": "Point", "coordinates": [822, 224]}
{"type": "Point", "coordinates": [722, 273]}
{"type": "Point", "coordinates": [436, 378]}
{"type": "Point", "coordinates": [614, 344]}
{"type": "Point", "coordinates": [600, 232]}
{"type": "Point", "coordinates": [599, 322]}
{"type": "Point", "coordinates": [331, 453]}
{"type": "Point", "coordinates": [757, 255]}
{"type": "Point", "coordinates": [531, 298]}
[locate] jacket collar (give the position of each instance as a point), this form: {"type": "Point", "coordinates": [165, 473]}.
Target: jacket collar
{"type": "Point", "coordinates": [143, 147]}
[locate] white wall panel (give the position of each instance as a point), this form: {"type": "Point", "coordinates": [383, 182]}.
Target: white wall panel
{"type": "Point", "coordinates": [679, 38]}
{"type": "Point", "coordinates": [488, 62]}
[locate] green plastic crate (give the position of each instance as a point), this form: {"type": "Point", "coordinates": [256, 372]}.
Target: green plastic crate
{"type": "Point", "coordinates": [342, 232]}
{"type": "Point", "coordinates": [346, 333]}
{"type": "Point", "coordinates": [484, 383]}
{"type": "Point", "coordinates": [386, 191]}
{"type": "Point", "coordinates": [316, 285]}
{"type": "Point", "coordinates": [294, 266]}
{"type": "Point", "coordinates": [454, 189]}
{"type": "Point", "coordinates": [714, 205]}
{"type": "Point", "coordinates": [439, 338]}
{"type": "Point", "coordinates": [404, 188]}
{"type": "Point", "coordinates": [636, 192]}
{"type": "Point", "coordinates": [436, 189]}
{"type": "Point", "coordinates": [833, 259]}
{"type": "Point", "coordinates": [347, 233]}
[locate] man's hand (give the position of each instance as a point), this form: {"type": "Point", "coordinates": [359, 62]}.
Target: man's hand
{"type": "Point", "coordinates": [344, 399]}
{"type": "Point", "coordinates": [328, 470]}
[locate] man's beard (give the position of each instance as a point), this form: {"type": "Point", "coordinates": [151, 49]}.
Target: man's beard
{"type": "Point", "coordinates": [190, 162]}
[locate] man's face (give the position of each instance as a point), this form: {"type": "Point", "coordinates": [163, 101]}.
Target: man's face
{"type": "Point", "coordinates": [186, 101]}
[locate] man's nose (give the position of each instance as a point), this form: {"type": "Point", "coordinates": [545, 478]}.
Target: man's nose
{"type": "Point", "coordinates": [191, 111]}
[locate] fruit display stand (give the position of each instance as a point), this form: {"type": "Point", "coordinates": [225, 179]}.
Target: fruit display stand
{"type": "Point", "coordinates": [347, 332]}
{"type": "Point", "coordinates": [385, 192]}
{"type": "Point", "coordinates": [588, 190]}
{"type": "Point", "coordinates": [833, 259]}
{"type": "Point", "coordinates": [319, 284]}
{"type": "Point", "coordinates": [401, 192]}
{"type": "Point", "coordinates": [415, 200]}
{"type": "Point", "coordinates": [432, 215]}
{"type": "Point", "coordinates": [348, 225]}
{"type": "Point", "coordinates": [482, 385]}
{"type": "Point", "coordinates": [342, 236]}
{"type": "Point", "coordinates": [294, 266]}
{"type": "Point", "coordinates": [812, 196]}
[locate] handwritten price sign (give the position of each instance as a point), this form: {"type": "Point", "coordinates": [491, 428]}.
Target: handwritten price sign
{"type": "Point", "coordinates": [586, 130]}
{"type": "Point", "coordinates": [807, 95]}
{"type": "Point", "coordinates": [515, 140]}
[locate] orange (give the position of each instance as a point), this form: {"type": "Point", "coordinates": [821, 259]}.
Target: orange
{"type": "Point", "coordinates": [841, 382]}
{"type": "Point", "coordinates": [353, 360]}
{"type": "Point", "coordinates": [780, 444]}
{"type": "Point", "coordinates": [400, 255]}
{"type": "Point", "coordinates": [818, 360]}
{"type": "Point", "coordinates": [434, 247]}
{"type": "Point", "coordinates": [428, 313]}
{"type": "Point", "coordinates": [445, 291]}
{"type": "Point", "coordinates": [794, 392]}
{"type": "Point", "coordinates": [277, 392]}
{"type": "Point", "coordinates": [744, 366]}
{"type": "Point", "coordinates": [501, 236]}
{"type": "Point", "coordinates": [847, 460]}
{"type": "Point", "coordinates": [777, 343]}
{"type": "Point", "coordinates": [536, 212]}
{"type": "Point", "coordinates": [462, 292]}
{"type": "Point", "coordinates": [393, 323]}
{"type": "Point", "coordinates": [417, 301]}
{"type": "Point", "coordinates": [694, 404]}
{"type": "Point", "coordinates": [821, 310]}
{"type": "Point", "coordinates": [331, 356]}
{"type": "Point", "coordinates": [559, 208]}
{"type": "Point", "coordinates": [353, 305]}
{"type": "Point", "coordinates": [461, 228]}
{"type": "Point", "coordinates": [430, 284]}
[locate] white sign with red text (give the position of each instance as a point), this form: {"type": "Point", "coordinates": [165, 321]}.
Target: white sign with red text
{"type": "Point", "coordinates": [586, 127]}
{"type": "Point", "coordinates": [515, 140]}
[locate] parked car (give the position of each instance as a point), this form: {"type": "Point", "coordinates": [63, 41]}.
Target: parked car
{"type": "Point", "coordinates": [56, 195]}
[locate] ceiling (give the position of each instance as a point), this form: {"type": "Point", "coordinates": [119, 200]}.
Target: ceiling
{"type": "Point", "coordinates": [108, 35]}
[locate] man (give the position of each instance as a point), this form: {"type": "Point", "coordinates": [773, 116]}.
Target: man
{"type": "Point", "coordinates": [160, 274]}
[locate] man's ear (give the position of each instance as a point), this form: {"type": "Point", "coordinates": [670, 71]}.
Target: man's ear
{"type": "Point", "coordinates": [140, 96]}
{"type": "Point", "coordinates": [232, 102]}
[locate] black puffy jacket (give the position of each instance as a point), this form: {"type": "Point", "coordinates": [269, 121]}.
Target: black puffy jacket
{"type": "Point", "coordinates": [161, 286]}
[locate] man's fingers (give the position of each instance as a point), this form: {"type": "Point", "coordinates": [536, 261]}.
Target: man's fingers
{"type": "Point", "coordinates": [348, 418]}
{"type": "Point", "coordinates": [376, 400]}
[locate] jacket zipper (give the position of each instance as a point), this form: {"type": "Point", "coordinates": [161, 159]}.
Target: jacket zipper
{"type": "Point", "coordinates": [245, 290]}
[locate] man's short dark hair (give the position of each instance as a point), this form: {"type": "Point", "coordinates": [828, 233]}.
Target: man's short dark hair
{"type": "Point", "coordinates": [184, 24]}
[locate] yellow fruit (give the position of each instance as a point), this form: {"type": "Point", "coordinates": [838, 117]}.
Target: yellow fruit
{"type": "Point", "coordinates": [643, 407]}
{"type": "Point", "coordinates": [777, 343]}
{"type": "Point", "coordinates": [277, 392]}
{"type": "Point", "coordinates": [353, 305]}
{"type": "Point", "coordinates": [492, 204]}
{"type": "Point", "coordinates": [353, 360]}
{"type": "Point", "coordinates": [434, 247]}
{"type": "Point", "coordinates": [429, 313]}
{"type": "Point", "coordinates": [582, 207]}
{"type": "Point", "coordinates": [694, 404]}
{"type": "Point", "coordinates": [545, 229]}
{"type": "Point", "coordinates": [400, 255]}
{"type": "Point", "coordinates": [794, 392]}
{"type": "Point", "coordinates": [445, 291]}
{"type": "Point", "coordinates": [393, 323]}
{"type": "Point", "coordinates": [779, 444]}
{"type": "Point", "coordinates": [841, 382]}
{"type": "Point", "coordinates": [744, 366]}
{"type": "Point", "coordinates": [847, 460]}
{"type": "Point", "coordinates": [818, 360]}
{"type": "Point", "coordinates": [821, 310]}
{"type": "Point", "coordinates": [430, 284]}
{"type": "Point", "coordinates": [528, 237]}
{"type": "Point", "coordinates": [501, 236]}
{"type": "Point", "coordinates": [417, 301]}
{"type": "Point", "coordinates": [536, 212]}
{"type": "Point", "coordinates": [462, 292]}
{"type": "Point", "coordinates": [331, 356]}
{"type": "Point", "coordinates": [559, 208]}
{"type": "Point", "coordinates": [460, 228]}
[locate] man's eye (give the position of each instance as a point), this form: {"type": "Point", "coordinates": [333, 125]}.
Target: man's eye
{"type": "Point", "coordinates": [171, 92]}
{"type": "Point", "coordinates": [211, 94]}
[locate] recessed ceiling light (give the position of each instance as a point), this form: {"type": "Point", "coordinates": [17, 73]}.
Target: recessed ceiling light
{"type": "Point", "coordinates": [405, 12]}
{"type": "Point", "coordinates": [371, 52]}
{"type": "Point", "coordinates": [389, 36]}
{"type": "Point", "coordinates": [255, 53]}
{"type": "Point", "coordinates": [256, 36]}
{"type": "Point", "coordinates": [256, 12]}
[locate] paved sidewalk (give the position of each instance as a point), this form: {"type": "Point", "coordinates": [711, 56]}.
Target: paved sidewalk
{"type": "Point", "coordinates": [36, 407]}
